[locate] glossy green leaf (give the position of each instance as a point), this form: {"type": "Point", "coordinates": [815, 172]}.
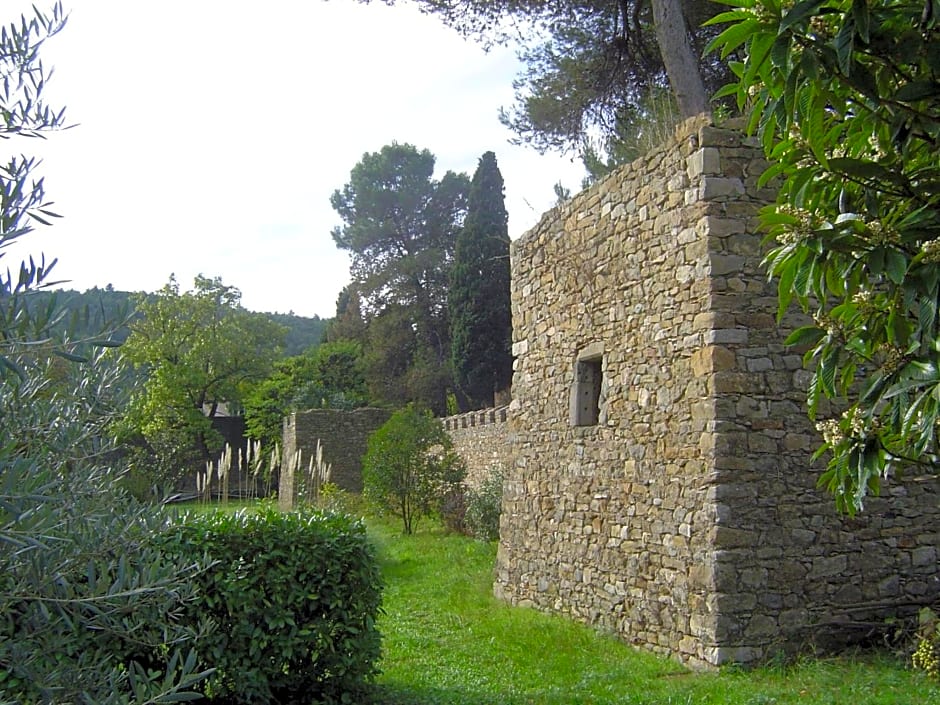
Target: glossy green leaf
{"type": "Point", "coordinates": [806, 335]}
{"type": "Point", "coordinates": [918, 90]}
{"type": "Point", "coordinates": [800, 12]}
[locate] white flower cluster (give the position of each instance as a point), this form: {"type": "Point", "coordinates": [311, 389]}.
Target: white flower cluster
{"type": "Point", "coordinates": [831, 432]}
{"type": "Point", "coordinates": [799, 232]}
{"type": "Point", "coordinates": [831, 327]}
{"type": "Point", "coordinates": [862, 297]}
{"type": "Point", "coordinates": [882, 234]}
{"type": "Point", "coordinates": [931, 251]}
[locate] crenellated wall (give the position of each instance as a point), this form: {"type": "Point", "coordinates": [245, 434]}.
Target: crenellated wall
{"type": "Point", "coordinates": [661, 484]}
{"type": "Point", "coordinates": [484, 441]}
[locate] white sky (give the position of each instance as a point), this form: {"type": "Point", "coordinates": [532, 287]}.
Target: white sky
{"type": "Point", "coordinates": [210, 135]}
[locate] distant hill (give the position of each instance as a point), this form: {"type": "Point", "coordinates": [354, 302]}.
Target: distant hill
{"type": "Point", "coordinates": [302, 332]}
{"type": "Point", "coordinates": [87, 313]}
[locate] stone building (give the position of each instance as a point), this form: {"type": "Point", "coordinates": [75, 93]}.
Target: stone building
{"type": "Point", "coordinates": [661, 484]}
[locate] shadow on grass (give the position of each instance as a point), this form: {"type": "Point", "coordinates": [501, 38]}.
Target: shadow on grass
{"type": "Point", "coordinates": [388, 694]}
{"type": "Point", "coordinates": [403, 695]}
{"type": "Point", "coordinates": [394, 694]}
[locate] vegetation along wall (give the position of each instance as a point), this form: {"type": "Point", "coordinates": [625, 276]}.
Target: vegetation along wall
{"type": "Point", "coordinates": [344, 436]}
{"type": "Point", "coordinates": [661, 485]}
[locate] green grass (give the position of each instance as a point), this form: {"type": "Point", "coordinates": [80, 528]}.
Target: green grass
{"type": "Point", "coordinates": [446, 640]}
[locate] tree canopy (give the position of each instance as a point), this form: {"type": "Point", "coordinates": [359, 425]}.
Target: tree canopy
{"type": "Point", "coordinates": [400, 227]}
{"type": "Point", "coordinates": [330, 375]}
{"type": "Point", "coordinates": [480, 315]}
{"type": "Point", "coordinates": [590, 66]}
{"type": "Point", "coordinates": [845, 97]}
{"type": "Point", "coordinates": [198, 349]}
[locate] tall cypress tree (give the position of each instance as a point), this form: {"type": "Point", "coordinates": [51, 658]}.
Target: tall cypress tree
{"type": "Point", "coordinates": [480, 317]}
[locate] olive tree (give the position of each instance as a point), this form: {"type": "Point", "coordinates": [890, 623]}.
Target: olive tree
{"type": "Point", "coordinates": [88, 605]}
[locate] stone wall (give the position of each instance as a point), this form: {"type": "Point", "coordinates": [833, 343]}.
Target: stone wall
{"type": "Point", "coordinates": [662, 486]}
{"type": "Point", "coordinates": [343, 435]}
{"type": "Point", "coordinates": [483, 440]}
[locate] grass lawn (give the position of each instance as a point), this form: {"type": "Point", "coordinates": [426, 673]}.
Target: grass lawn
{"type": "Point", "coordinates": [446, 640]}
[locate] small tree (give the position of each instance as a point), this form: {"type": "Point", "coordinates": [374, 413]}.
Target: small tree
{"type": "Point", "coordinates": [199, 349]}
{"type": "Point", "coordinates": [410, 466]}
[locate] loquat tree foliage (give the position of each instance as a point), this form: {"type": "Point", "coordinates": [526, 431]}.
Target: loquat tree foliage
{"type": "Point", "coordinates": [844, 95]}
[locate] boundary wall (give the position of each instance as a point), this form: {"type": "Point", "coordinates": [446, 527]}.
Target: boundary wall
{"type": "Point", "coordinates": [343, 435]}
{"type": "Point", "coordinates": [483, 439]}
{"type": "Point", "coordinates": [662, 486]}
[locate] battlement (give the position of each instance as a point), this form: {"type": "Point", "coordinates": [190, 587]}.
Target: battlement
{"type": "Point", "coordinates": [483, 439]}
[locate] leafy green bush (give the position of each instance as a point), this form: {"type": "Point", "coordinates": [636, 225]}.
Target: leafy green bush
{"type": "Point", "coordinates": [484, 504]}
{"type": "Point", "coordinates": [410, 466]}
{"type": "Point", "coordinates": [294, 597]}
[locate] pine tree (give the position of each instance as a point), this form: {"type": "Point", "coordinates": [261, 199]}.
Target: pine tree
{"type": "Point", "coordinates": [481, 322]}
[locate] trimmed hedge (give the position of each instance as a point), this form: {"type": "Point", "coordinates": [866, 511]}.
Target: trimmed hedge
{"type": "Point", "coordinates": [294, 598]}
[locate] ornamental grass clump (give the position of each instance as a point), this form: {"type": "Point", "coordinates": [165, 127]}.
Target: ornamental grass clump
{"type": "Point", "coordinates": [294, 598]}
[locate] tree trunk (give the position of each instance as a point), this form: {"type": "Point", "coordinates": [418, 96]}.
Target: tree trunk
{"type": "Point", "coordinates": [681, 64]}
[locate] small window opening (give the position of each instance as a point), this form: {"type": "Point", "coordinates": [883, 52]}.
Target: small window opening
{"type": "Point", "coordinates": [586, 390]}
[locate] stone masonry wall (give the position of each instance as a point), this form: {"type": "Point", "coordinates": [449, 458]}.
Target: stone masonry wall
{"type": "Point", "coordinates": [343, 435]}
{"type": "Point", "coordinates": [483, 440]}
{"type": "Point", "coordinates": [684, 515]}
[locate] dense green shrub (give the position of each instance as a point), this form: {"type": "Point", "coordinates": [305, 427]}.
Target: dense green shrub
{"type": "Point", "coordinates": [484, 504]}
{"type": "Point", "coordinates": [294, 597]}
{"type": "Point", "coordinates": [410, 466]}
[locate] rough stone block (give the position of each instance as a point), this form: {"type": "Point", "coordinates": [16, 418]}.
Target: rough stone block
{"type": "Point", "coordinates": [723, 264]}
{"type": "Point", "coordinates": [761, 627]}
{"type": "Point", "coordinates": [726, 537]}
{"type": "Point", "coordinates": [715, 187]}
{"type": "Point", "coordinates": [727, 336]}
{"type": "Point", "coordinates": [925, 556]}
{"type": "Point", "coordinates": [731, 383]}
{"type": "Point", "coordinates": [712, 358]}
{"type": "Point", "coordinates": [706, 160]}
{"type": "Point", "coordinates": [827, 566]}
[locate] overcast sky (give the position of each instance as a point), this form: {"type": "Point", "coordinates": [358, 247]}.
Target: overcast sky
{"type": "Point", "coordinates": [210, 135]}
